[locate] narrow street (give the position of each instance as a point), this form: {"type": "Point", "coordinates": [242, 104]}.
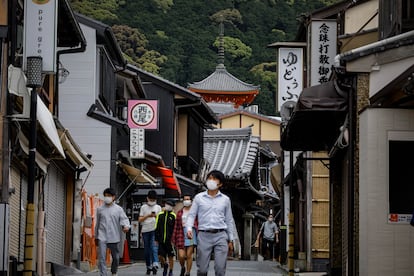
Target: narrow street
{"type": "Point", "coordinates": [234, 268]}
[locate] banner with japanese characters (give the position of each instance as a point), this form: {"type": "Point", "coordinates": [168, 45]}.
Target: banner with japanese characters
{"type": "Point", "coordinates": [290, 75]}
{"type": "Point", "coordinates": [40, 32]}
{"type": "Point", "coordinates": [143, 114]}
{"type": "Point", "coordinates": [323, 50]}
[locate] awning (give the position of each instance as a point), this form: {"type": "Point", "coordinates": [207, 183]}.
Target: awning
{"type": "Point", "coordinates": [17, 86]}
{"type": "Point", "coordinates": [169, 180]}
{"type": "Point", "coordinates": [73, 151]}
{"type": "Point", "coordinates": [316, 120]}
{"type": "Point", "coordinates": [137, 176]}
{"type": "Point", "coordinates": [41, 162]}
{"type": "Point", "coordinates": [188, 186]}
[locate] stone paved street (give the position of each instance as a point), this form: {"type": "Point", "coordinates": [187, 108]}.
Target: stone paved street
{"type": "Point", "coordinates": [234, 268]}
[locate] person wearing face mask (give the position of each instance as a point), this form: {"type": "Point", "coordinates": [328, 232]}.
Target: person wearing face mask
{"type": "Point", "coordinates": [164, 228]}
{"type": "Point", "coordinates": [269, 233]}
{"type": "Point", "coordinates": [215, 225]}
{"type": "Point", "coordinates": [147, 215]}
{"type": "Point", "coordinates": [111, 221]}
{"type": "Point", "coordinates": [180, 240]}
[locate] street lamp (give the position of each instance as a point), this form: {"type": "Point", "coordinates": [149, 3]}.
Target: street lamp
{"type": "Point", "coordinates": [34, 81]}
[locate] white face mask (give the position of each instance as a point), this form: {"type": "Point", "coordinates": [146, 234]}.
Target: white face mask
{"type": "Point", "coordinates": [211, 184]}
{"type": "Point", "coordinates": [187, 202]}
{"type": "Point", "coordinates": [108, 200]}
{"type": "Point", "coordinates": [168, 207]}
{"type": "Point", "coordinates": [151, 203]}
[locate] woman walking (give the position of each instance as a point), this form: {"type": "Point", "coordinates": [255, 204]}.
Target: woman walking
{"type": "Point", "coordinates": [184, 245]}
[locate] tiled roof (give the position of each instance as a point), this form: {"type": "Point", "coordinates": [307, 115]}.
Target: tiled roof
{"type": "Point", "coordinates": [222, 80]}
{"type": "Point", "coordinates": [232, 151]}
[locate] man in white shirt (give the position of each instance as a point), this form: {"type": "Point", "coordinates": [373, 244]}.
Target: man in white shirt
{"type": "Point", "coordinates": [147, 215]}
{"type": "Point", "coordinates": [111, 221]}
{"type": "Point", "coordinates": [215, 225]}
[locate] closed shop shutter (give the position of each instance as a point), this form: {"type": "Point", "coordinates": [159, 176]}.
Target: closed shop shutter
{"type": "Point", "coordinates": [17, 214]}
{"type": "Point", "coordinates": [54, 194]}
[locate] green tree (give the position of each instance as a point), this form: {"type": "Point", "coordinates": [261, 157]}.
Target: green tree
{"type": "Point", "coordinates": [133, 43]}
{"type": "Point", "coordinates": [101, 10]}
{"type": "Point", "coordinates": [235, 48]}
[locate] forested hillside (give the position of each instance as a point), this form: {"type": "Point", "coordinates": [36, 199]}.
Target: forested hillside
{"type": "Point", "coordinates": [177, 39]}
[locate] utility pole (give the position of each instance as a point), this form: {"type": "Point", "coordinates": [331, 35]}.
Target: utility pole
{"type": "Point", "coordinates": [291, 260]}
{"type": "Point", "coordinates": [34, 81]}
{"type": "Point", "coordinates": [4, 140]}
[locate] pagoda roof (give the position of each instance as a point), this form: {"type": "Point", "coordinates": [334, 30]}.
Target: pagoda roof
{"type": "Point", "coordinates": [221, 81]}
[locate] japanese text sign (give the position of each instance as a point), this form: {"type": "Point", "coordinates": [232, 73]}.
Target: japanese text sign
{"type": "Point", "coordinates": [40, 32]}
{"type": "Point", "coordinates": [290, 74]}
{"type": "Point", "coordinates": [143, 114]}
{"type": "Point", "coordinates": [322, 50]}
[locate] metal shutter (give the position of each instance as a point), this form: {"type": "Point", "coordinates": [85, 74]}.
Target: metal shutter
{"type": "Point", "coordinates": [54, 194]}
{"type": "Point", "coordinates": [17, 203]}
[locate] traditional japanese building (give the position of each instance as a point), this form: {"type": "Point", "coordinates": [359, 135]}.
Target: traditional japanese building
{"type": "Point", "coordinates": [223, 87]}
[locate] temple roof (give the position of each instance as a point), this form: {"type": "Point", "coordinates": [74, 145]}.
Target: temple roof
{"type": "Point", "coordinates": [231, 151]}
{"type": "Point", "coordinates": [222, 81]}
{"type": "Point", "coordinates": [221, 86]}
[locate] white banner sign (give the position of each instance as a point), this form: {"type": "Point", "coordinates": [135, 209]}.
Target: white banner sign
{"type": "Point", "coordinates": [290, 74]}
{"type": "Point", "coordinates": [40, 32]}
{"type": "Point", "coordinates": [137, 143]}
{"type": "Point", "coordinates": [322, 50]}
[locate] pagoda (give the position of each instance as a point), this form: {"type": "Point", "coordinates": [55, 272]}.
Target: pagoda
{"type": "Point", "coordinates": [223, 87]}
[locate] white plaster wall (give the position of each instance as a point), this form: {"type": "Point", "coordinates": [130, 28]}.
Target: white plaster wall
{"type": "Point", "coordinates": [76, 95]}
{"type": "Point", "coordinates": [384, 249]}
{"type": "Point", "coordinates": [358, 15]}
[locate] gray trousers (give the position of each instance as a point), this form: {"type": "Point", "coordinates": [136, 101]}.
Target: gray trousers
{"type": "Point", "coordinates": [114, 247]}
{"type": "Point", "coordinates": [206, 244]}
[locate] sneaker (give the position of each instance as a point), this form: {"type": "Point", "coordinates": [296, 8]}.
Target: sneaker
{"type": "Point", "coordinates": [156, 265]}
{"type": "Point", "coordinates": [182, 271]}
{"type": "Point", "coordinates": [149, 271]}
{"type": "Point", "coordinates": [164, 273]}
{"type": "Point", "coordinates": [154, 271]}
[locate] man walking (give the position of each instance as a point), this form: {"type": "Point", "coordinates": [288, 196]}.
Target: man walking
{"type": "Point", "coordinates": [269, 233]}
{"type": "Point", "coordinates": [215, 225]}
{"type": "Point", "coordinates": [164, 228]}
{"type": "Point", "coordinates": [147, 215]}
{"type": "Point", "coordinates": [111, 221]}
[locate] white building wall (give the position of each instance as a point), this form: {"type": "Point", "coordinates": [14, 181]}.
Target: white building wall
{"type": "Point", "coordinates": [384, 248]}
{"type": "Point", "coordinates": [76, 95]}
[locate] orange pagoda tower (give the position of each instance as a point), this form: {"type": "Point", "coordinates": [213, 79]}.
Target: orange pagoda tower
{"type": "Point", "coordinates": [223, 87]}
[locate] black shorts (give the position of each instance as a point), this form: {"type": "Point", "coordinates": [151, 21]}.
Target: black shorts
{"type": "Point", "coordinates": [165, 249]}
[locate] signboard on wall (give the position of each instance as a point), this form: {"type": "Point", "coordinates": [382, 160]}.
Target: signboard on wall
{"type": "Point", "coordinates": [290, 75]}
{"type": "Point", "coordinates": [40, 32]}
{"type": "Point", "coordinates": [323, 50]}
{"type": "Point", "coordinates": [143, 114]}
{"type": "Point", "coordinates": [137, 143]}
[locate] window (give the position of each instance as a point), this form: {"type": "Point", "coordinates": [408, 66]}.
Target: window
{"type": "Point", "coordinates": [401, 177]}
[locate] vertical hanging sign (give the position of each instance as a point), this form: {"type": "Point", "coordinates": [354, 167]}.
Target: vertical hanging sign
{"type": "Point", "coordinates": [142, 114]}
{"type": "Point", "coordinates": [40, 32]}
{"type": "Point", "coordinates": [137, 143]}
{"type": "Point", "coordinates": [322, 50]}
{"type": "Point", "coordinates": [290, 74]}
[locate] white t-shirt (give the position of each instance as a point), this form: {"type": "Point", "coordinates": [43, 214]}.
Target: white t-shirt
{"type": "Point", "coordinates": [185, 214]}
{"type": "Point", "coordinates": [149, 223]}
